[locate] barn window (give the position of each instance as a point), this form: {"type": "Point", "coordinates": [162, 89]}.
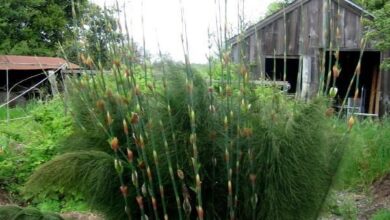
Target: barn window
{"type": "Point", "coordinates": [274, 69]}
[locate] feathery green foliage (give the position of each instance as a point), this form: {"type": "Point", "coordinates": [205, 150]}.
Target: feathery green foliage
{"type": "Point", "coordinates": [292, 148]}
{"type": "Point", "coordinates": [18, 213]}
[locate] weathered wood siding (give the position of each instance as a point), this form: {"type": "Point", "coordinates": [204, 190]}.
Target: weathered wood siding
{"type": "Point", "coordinates": [306, 22]}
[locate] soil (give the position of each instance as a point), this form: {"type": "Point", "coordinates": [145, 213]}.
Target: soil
{"type": "Point", "coordinates": [4, 198]}
{"type": "Point", "coordinates": [380, 198]}
{"type": "Point", "coordinates": [80, 216]}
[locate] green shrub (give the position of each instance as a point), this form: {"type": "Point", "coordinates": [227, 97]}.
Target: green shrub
{"type": "Point", "coordinates": [270, 158]}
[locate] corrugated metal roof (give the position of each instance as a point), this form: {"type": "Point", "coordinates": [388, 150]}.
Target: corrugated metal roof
{"type": "Point", "coordinates": [12, 62]}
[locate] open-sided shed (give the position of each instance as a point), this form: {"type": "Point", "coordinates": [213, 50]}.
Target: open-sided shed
{"type": "Point", "coordinates": [294, 41]}
{"type": "Point", "coordinates": [28, 74]}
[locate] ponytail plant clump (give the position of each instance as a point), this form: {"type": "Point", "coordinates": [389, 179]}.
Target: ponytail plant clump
{"type": "Point", "coordinates": [177, 146]}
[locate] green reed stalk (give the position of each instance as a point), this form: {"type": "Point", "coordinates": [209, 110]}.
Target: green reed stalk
{"type": "Point", "coordinates": [355, 75]}
{"type": "Point", "coordinates": [321, 87]}
{"type": "Point", "coordinates": [285, 44]}
{"type": "Point", "coordinates": [155, 157]}
{"type": "Point", "coordinates": [229, 117]}
{"type": "Point", "coordinates": [328, 78]}
{"type": "Point", "coordinates": [259, 54]}
{"type": "Point", "coordinates": [192, 116]}
{"type": "Point", "coordinates": [173, 135]}
{"type": "Point", "coordinates": [301, 54]}
{"type": "Point", "coordinates": [274, 69]}
{"type": "Point", "coordinates": [134, 174]}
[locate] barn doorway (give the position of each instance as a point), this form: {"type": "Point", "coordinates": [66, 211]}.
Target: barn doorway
{"type": "Point", "coordinates": [368, 101]}
{"type": "Point", "coordinates": [274, 70]}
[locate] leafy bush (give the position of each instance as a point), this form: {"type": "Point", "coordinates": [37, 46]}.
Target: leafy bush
{"type": "Point", "coordinates": [176, 148]}
{"type": "Point", "coordinates": [29, 142]}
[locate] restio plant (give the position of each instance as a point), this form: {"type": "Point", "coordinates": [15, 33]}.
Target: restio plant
{"type": "Point", "coordinates": [172, 146]}
{"type": "Point", "coordinates": [175, 145]}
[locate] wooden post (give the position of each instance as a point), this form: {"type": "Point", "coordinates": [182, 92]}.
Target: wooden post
{"type": "Point", "coordinates": [373, 92]}
{"type": "Point", "coordinates": [378, 93]}
{"type": "Point", "coordinates": [7, 85]}
{"type": "Point", "coordinates": [53, 82]}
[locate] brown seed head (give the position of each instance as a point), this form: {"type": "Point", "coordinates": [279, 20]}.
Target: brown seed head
{"type": "Point", "coordinates": [336, 71]}
{"type": "Point", "coordinates": [198, 182]}
{"type": "Point", "coordinates": [140, 202]}
{"type": "Point", "coordinates": [252, 178]}
{"type": "Point", "coordinates": [124, 190]}
{"type": "Point", "coordinates": [226, 58]}
{"type": "Point", "coordinates": [213, 135]}
{"type": "Point", "coordinates": [243, 71]}
{"type": "Point", "coordinates": [116, 63]}
{"type": "Point", "coordinates": [154, 203]}
{"type": "Point", "coordinates": [246, 132]}
{"type": "Point", "coordinates": [115, 144]}
{"type": "Point", "coordinates": [200, 212]}
{"type": "Point", "coordinates": [228, 91]}
{"type": "Point", "coordinates": [141, 165]}
{"type": "Point", "coordinates": [351, 122]}
{"type": "Point", "coordinates": [329, 112]}
{"type": "Point", "coordinates": [180, 174]}
{"type": "Point", "coordinates": [125, 127]}
{"type": "Point", "coordinates": [100, 105]}
{"type": "Point", "coordinates": [109, 119]}
{"type": "Point", "coordinates": [89, 62]}
{"type": "Point", "coordinates": [149, 173]}
{"type": "Point", "coordinates": [130, 155]}
{"type": "Point", "coordinates": [137, 90]}
{"type": "Point", "coordinates": [134, 118]}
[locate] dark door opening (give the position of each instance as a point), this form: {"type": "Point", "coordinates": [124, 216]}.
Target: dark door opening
{"type": "Point", "coordinates": [291, 72]}
{"type": "Point", "coordinates": [368, 85]}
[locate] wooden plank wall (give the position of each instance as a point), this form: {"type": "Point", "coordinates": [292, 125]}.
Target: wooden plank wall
{"type": "Point", "coordinates": [385, 88]}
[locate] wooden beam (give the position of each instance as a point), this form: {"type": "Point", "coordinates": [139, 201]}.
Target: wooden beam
{"type": "Point", "coordinates": [373, 91]}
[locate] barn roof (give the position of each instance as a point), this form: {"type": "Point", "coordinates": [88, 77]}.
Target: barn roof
{"type": "Point", "coordinates": [12, 62]}
{"type": "Point", "coordinates": [291, 7]}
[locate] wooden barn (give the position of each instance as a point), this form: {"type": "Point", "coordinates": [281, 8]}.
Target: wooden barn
{"type": "Point", "coordinates": [296, 44]}
{"type": "Point", "coordinates": [27, 76]}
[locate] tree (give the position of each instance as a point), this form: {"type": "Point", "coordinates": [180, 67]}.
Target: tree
{"type": "Point", "coordinates": [34, 27]}
{"type": "Point", "coordinates": [276, 6]}
{"type": "Point", "coordinates": [379, 28]}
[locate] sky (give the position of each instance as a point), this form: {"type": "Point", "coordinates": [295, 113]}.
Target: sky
{"type": "Point", "coordinates": [162, 23]}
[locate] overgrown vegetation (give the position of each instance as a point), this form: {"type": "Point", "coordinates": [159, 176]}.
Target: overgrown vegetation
{"type": "Point", "coordinates": [28, 142]}
{"type": "Point", "coordinates": [367, 157]}
{"type": "Point", "coordinates": [175, 144]}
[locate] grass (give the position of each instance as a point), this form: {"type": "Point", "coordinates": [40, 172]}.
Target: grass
{"type": "Point", "coordinates": [367, 157]}
{"type": "Point", "coordinates": [382, 215]}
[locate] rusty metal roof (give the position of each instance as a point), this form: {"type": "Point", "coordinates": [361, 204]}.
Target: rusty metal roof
{"type": "Point", "coordinates": [12, 62]}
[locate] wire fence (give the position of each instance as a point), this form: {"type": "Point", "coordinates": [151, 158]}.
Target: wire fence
{"type": "Point", "coordinates": [35, 86]}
